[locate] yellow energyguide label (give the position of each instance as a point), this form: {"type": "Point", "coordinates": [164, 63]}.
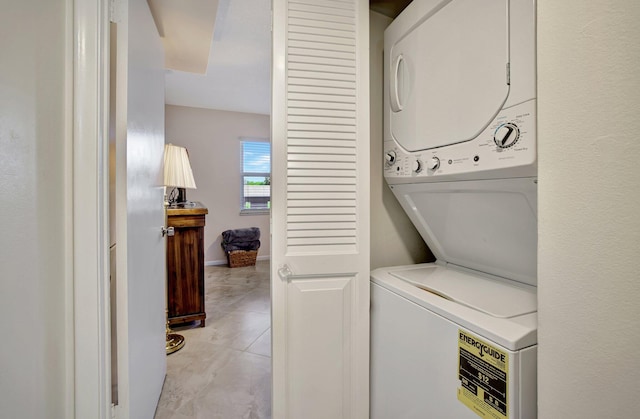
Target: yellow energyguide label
{"type": "Point", "coordinates": [483, 371]}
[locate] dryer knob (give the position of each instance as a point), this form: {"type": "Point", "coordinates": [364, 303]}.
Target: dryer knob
{"type": "Point", "coordinates": [417, 166]}
{"type": "Point", "coordinates": [506, 135]}
{"type": "Point", "coordinates": [434, 163]}
{"type": "Point", "coordinates": [390, 158]}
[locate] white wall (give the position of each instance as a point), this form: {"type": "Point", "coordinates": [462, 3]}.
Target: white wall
{"type": "Point", "coordinates": [213, 140]}
{"type": "Point", "coordinates": [34, 296]}
{"type": "Point", "coordinates": [394, 239]}
{"type": "Point", "coordinates": [589, 208]}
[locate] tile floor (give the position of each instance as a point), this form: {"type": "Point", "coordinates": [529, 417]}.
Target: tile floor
{"type": "Point", "coordinates": [224, 369]}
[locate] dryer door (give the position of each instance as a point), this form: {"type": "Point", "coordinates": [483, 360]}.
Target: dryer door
{"type": "Point", "coordinates": [447, 71]}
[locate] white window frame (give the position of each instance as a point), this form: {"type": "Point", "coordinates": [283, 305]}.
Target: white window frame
{"type": "Point", "coordinates": [252, 211]}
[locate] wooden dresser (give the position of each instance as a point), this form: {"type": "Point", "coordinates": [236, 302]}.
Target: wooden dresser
{"type": "Point", "coordinates": [185, 264]}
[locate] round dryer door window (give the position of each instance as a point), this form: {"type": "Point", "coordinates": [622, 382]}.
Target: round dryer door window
{"type": "Point", "coordinates": [448, 74]}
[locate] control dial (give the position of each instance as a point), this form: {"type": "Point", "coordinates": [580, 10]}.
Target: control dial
{"type": "Point", "coordinates": [417, 166]}
{"type": "Point", "coordinates": [390, 158]}
{"type": "Point", "coordinates": [506, 135]}
{"type": "Point", "coordinates": [434, 163]}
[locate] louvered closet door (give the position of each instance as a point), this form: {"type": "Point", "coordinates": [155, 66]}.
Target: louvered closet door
{"type": "Point", "coordinates": [320, 214]}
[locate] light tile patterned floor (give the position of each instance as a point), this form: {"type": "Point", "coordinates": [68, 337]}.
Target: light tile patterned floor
{"type": "Point", "coordinates": [224, 370]}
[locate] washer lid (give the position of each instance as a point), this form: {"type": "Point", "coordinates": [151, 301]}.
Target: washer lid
{"type": "Point", "coordinates": [485, 225]}
{"type": "Point", "coordinates": [447, 71]}
{"type": "Point", "coordinates": [491, 296]}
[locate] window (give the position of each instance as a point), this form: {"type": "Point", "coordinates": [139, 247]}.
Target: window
{"type": "Point", "coordinates": [256, 176]}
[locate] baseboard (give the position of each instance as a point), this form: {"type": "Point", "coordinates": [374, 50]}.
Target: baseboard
{"type": "Point", "coordinates": [215, 262]}
{"type": "Point", "coordinates": [224, 261]}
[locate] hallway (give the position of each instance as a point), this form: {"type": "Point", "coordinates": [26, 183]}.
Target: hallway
{"type": "Point", "coordinates": [224, 369]}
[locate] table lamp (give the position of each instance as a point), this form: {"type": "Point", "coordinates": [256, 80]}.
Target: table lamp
{"type": "Point", "coordinates": [177, 174]}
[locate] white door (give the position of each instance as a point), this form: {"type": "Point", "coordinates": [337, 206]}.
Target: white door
{"type": "Point", "coordinates": [320, 212]}
{"type": "Point", "coordinates": [141, 271]}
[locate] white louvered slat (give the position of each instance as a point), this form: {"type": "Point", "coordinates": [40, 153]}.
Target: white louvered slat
{"type": "Point", "coordinates": [340, 91]}
{"type": "Point", "coordinates": [337, 140]}
{"type": "Point", "coordinates": [313, 23]}
{"type": "Point", "coordinates": [320, 196]}
{"type": "Point", "coordinates": [327, 39]}
{"type": "Point", "coordinates": [311, 226]}
{"type": "Point", "coordinates": [321, 99]}
{"type": "Point", "coordinates": [321, 146]}
{"type": "Point", "coordinates": [318, 74]}
{"type": "Point", "coordinates": [321, 125]}
{"type": "Point", "coordinates": [341, 4]}
{"type": "Point", "coordinates": [322, 8]}
{"type": "Point", "coordinates": [333, 145]}
{"type": "Point", "coordinates": [323, 203]}
{"type": "Point", "coordinates": [319, 180]}
{"type": "Point", "coordinates": [328, 120]}
{"type": "Point", "coordinates": [312, 78]}
{"type": "Point", "coordinates": [314, 241]}
{"type": "Point", "coordinates": [323, 68]}
{"type": "Point", "coordinates": [310, 59]}
{"type": "Point", "coordinates": [338, 113]}
{"type": "Point", "coordinates": [301, 14]}
{"type": "Point", "coordinates": [319, 193]}
{"type": "Point", "coordinates": [297, 104]}
{"type": "Point", "coordinates": [322, 46]}
{"type": "Point", "coordinates": [307, 173]}
{"type": "Point", "coordinates": [321, 157]}
{"type": "Point", "coordinates": [320, 210]}
{"type": "Point", "coordinates": [322, 188]}
{"type": "Point", "coordinates": [324, 31]}
{"type": "Point", "coordinates": [317, 103]}
{"type": "Point", "coordinates": [331, 218]}
{"type": "Point", "coordinates": [322, 165]}
{"type": "Point", "coordinates": [309, 81]}
{"type": "Point", "coordinates": [319, 233]}
{"type": "Point", "coordinates": [322, 54]}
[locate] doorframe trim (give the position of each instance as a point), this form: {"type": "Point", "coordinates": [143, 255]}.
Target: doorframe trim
{"type": "Point", "coordinates": [90, 210]}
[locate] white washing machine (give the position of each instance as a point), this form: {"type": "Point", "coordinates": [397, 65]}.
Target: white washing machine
{"type": "Point", "coordinates": [458, 338]}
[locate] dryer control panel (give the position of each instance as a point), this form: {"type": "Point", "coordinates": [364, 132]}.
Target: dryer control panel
{"type": "Point", "coordinates": [508, 142]}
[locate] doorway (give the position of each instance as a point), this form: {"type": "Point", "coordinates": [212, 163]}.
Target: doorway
{"type": "Point", "coordinates": [224, 368]}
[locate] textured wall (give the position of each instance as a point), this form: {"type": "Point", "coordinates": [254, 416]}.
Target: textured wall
{"type": "Point", "coordinates": [213, 140]}
{"type": "Point", "coordinates": [394, 239]}
{"type": "Point", "coordinates": [589, 208]}
{"type": "Point", "coordinates": [33, 293]}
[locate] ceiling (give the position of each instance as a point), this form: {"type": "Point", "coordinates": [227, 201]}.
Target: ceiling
{"type": "Point", "coordinates": [220, 57]}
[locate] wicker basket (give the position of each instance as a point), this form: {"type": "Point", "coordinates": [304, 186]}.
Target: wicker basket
{"type": "Point", "coordinates": [240, 258]}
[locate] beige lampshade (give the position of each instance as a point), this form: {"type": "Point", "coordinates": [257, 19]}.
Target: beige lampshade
{"type": "Point", "coordinates": [177, 169]}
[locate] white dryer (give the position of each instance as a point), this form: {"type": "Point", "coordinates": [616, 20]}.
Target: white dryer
{"type": "Point", "coordinates": [458, 338]}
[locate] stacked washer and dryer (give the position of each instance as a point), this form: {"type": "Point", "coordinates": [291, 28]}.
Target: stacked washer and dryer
{"type": "Point", "coordinates": [458, 338]}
